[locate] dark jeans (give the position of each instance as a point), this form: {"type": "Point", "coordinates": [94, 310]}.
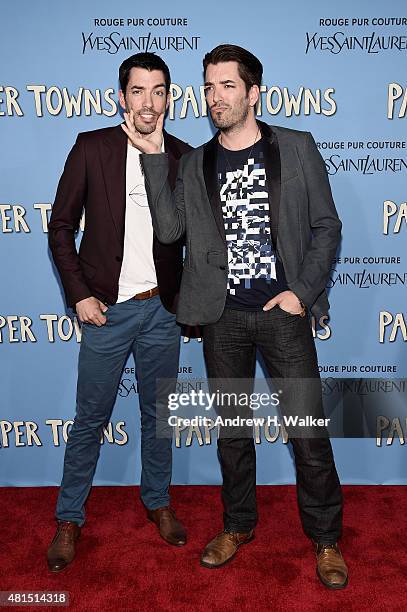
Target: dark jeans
{"type": "Point", "coordinates": [150, 332]}
{"type": "Point", "coordinates": [287, 347]}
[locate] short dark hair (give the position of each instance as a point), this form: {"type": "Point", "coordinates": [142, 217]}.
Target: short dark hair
{"type": "Point", "coordinates": [250, 68]}
{"type": "Point", "coordinates": [148, 61]}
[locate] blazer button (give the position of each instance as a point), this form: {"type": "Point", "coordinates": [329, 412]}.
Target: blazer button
{"type": "Point", "coordinates": [222, 267]}
{"type": "Point", "coordinates": [118, 258]}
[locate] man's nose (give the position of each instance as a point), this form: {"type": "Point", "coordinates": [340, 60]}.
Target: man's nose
{"type": "Point", "coordinates": [148, 99]}
{"type": "Point", "coordinates": [217, 95]}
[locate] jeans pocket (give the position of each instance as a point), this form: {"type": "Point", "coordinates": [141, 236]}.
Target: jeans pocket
{"type": "Point", "coordinates": [290, 314]}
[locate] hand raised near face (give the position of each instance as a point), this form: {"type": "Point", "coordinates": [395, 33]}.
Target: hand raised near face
{"type": "Point", "coordinates": [145, 143]}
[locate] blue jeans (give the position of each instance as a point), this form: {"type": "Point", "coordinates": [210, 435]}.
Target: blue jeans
{"type": "Point", "coordinates": [150, 332]}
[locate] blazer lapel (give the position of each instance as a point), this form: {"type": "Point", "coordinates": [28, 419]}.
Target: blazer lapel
{"type": "Point", "coordinates": [173, 156]}
{"type": "Point", "coordinates": [210, 155]}
{"type": "Point", "coordinates": [273, 174]}
{"type": "Point", "coordinates": [114, 156]}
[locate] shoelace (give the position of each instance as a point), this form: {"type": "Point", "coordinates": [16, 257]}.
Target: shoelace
{"type": "Point", "coordinates": [325, 548]}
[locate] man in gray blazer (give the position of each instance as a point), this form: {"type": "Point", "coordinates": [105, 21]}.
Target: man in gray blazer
{"type": "Point", "coordinates": [261, 232]}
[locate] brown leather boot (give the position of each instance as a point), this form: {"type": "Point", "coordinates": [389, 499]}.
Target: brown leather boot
{"type": "Point", "coordinates": [170, 528]}
{"type": "Point", "coordinates": [223, 548]}
{"type": "Point", "coordinates": [62, 549]}
{"type": "Point", "coordinates": [331, 567]}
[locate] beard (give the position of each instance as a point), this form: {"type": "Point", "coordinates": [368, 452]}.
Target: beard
{"type": "Point", "coordinates": [140, 125]}
{"type": "Point", "coordinates": [144, 129]}
{"type": "Point", "coordinates": [232, 118]}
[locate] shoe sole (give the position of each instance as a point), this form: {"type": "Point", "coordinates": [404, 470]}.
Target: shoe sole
{"type": "Point", "coordinates": [210, 566]}
{"type": "Point", "coordinates": [56, 571]}
{"type": "Point", "coordinates": [333, 587]}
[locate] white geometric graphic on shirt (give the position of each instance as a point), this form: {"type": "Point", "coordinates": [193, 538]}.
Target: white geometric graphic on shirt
{"type": "Point", "coordinates": [138, 195]}
{"type": "Point", "coordinates": [246, 216]}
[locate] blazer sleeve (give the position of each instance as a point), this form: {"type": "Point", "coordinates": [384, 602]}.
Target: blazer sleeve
{"type": "Point", "coordinates": [325, 227]}
{"type": "Point", "coordinates": [64, 223]}
{"type": "Point", "coordinates": [167, 207]}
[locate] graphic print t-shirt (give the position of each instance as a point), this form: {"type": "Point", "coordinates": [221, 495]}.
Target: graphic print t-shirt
{"type": "Point", "coordinates": [255, 274]}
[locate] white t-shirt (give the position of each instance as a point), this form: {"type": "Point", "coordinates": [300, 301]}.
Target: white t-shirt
{"type": "Point", "coordinates": [138, 271]}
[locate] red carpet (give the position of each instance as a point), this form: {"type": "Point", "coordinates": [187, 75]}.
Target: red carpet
{"type": "Point", "coordinates": [122, 564]}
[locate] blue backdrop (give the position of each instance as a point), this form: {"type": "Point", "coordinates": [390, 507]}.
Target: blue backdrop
{"type": "Point", "coordinates": [337, 72]}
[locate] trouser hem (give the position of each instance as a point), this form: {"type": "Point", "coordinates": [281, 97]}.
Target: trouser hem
{"type": "Point", "coordinates": [324, 539]}
{"type": "Point", "coordinates": [71, 520]}
{"type": "Point", "coordinates": [239, 528]}
{"type": "Point", "coordinates": [156, 505]}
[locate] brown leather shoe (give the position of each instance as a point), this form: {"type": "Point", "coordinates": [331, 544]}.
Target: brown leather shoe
{"type": "Point", "coordinates": [331, 567]}
{"type": "Point", "coordinates": [168, 525]}
{"type": "Point", "coordinates": [62, 549]}
{"type": "Point", "coordinates": [223, 548]}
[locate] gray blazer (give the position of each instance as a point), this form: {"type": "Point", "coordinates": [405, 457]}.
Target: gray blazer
{"type": "Point", "coordinates": [305, 227]}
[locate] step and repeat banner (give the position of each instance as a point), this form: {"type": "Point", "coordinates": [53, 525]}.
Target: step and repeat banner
{"type": "Point", "coordinates": [337, 72]}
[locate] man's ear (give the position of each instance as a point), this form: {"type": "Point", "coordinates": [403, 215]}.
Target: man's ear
{"type": "Point", "coordinates": [122, 100]}
{"type": "Point", "coordinates": [254, 95]}
{"type": "Point", "coordinates": [167, 104]}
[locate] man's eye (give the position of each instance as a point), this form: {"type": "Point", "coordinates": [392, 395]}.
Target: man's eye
{"type": "Point", "coordinates": [159, 93]}
{"type": "Point", "coordinates": [136, 91]}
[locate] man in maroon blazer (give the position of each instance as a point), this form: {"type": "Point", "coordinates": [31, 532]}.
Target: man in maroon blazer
{"type": "Point", "coordinates": [124, 286]}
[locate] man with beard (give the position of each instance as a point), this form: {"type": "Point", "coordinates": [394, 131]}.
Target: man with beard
{"type": "Point", "coordinates": [124, 286]}
{"type": "Point", "coordinates": [261, 232]}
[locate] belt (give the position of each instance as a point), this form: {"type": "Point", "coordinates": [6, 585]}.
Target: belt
{"type": "Point", "coordinates": [145, 295]}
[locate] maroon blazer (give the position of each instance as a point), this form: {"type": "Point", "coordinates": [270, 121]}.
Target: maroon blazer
{"type": "Point", "coordinates": [94, 178]}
